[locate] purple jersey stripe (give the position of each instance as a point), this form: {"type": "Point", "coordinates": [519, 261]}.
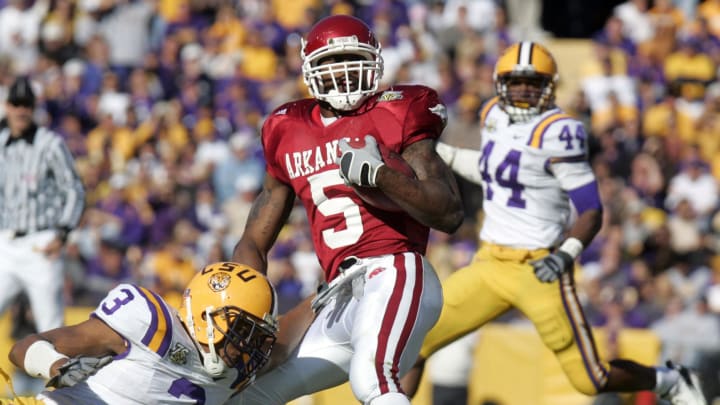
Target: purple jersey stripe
{"type": "Point", "coordinates": [154, 322]}
{"type": "Point", "coordinates": [159, 334]}
{"type": "Point", "coordinates": [124, 354]}
{"type": "Point", "coordinates": [165, 345]}
{"type": "Point", "coordinates": [586, 197]}
{"type": "Point", "coordinates": [567, 159]}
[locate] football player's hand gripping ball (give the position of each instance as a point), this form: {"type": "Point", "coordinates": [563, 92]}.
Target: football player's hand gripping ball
{"type": "Point", "coordinates": [78, 369]}
{"type": "Point", "coordinates": [552, 266]}
{"type": "Point", "coordinates": [359, 165]}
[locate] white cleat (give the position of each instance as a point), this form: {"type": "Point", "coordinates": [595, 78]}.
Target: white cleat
{"type": "Point", "coordinates": [687, 390]}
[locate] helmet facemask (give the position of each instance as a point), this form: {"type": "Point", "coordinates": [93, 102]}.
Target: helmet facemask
{"type": "Point", "coordinates": [349, 79]}
{"type": "Point", "coordinates": [524, 104]}
{"type": "Point", "coordinates": [247, 341]}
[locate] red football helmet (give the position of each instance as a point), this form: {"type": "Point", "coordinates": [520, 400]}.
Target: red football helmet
{"type": "Point", "coordinates": [354, 73]}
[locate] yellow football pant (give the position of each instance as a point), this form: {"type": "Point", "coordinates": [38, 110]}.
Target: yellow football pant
{"type": "Point", "coordinates": [21, 401]}
{"type": "Point", "coordinates": [500, 278]}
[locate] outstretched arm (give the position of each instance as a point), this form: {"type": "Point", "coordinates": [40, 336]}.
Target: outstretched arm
{"type": "Point", "coordinates": [267, 216]}
{"type": "Point", "coordinates": [42, 354]}
{"type": "Point", "coordinates": [464, 162]}
{"type": "Point", "coordinates": [433, 198]}
{"type": "Point", "coordinates": [586, 226]}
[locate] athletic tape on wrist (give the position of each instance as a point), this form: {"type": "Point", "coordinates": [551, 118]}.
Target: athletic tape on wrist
{"type": "Point", "coordinates": [572, 246]}
{"type": "Point", "coordinates": [39, 357]}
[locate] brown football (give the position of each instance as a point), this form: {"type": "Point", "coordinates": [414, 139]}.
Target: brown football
{"type": "Point", "coordinates": [373, 195]}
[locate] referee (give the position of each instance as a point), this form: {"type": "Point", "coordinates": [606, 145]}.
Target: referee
{"type": "Point", "coordinates": [41, 200]}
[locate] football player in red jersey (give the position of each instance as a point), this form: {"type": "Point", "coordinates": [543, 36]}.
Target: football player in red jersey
{"type": "Point", "coordinates": [382, 295]}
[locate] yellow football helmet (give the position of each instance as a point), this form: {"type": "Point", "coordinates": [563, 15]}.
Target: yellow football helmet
{"type": "Point", "coordinates": [525, 63]}
{"type": "Point", "coordinates": [235, 307]}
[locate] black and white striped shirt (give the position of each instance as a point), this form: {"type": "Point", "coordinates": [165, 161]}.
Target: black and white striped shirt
{"type": "Point", "coordinates": [39, 186]}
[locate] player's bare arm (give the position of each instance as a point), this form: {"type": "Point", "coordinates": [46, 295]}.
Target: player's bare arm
{"type": "Point", "coordinates": [586, 200]}
{"type": "Point", "coordinates": [293, 325]}
{"type": "Point", "coordinates": [586, 226]}
{"type": "Point", "coordinates": [550, 267]}
{"type": "Point", "coordinates": [580, 235]}
{"type": "Point", "coordinates": [267, 216]}
{"type": "Point", "coordinates": [433, 199]}
{"type": "Point", "coordinates": [90, 338]}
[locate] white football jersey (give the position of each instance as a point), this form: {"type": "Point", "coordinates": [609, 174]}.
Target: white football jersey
{"type": "Point", "coordinates": [526, 170]}
{"type": "Point", "coordinates": [161, 364]}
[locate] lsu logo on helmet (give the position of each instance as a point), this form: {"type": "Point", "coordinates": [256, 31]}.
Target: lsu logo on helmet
{"type": "Point", "coordinates": [219, 281]}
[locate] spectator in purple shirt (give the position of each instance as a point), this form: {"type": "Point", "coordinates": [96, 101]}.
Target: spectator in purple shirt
{"type": "Point", "coordinates": [104, 271]}
{"type": "Point", "coordinates": [121, 213]}
{"type": "Point", "coordinates": [187, 24]}
{"type": "Point", "coordinates": [709, 42]}
{"type": "Point", "coordinates": [70, 129]}
{"type": "Point", "coordinates": [612, 35]}
{"type": "Point", "coordinates": [271, 31]}
{"type": "Point", "coordinates": [171, 203]}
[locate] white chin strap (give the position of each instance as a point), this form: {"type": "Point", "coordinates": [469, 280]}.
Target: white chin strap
{"type": "Point", "coordinates": [212, 363]}
{"type": "Point", "coordinates": [342, 102]}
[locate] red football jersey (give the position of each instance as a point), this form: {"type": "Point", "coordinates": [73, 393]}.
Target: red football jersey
{"type": "Point", "coordinates": [301, 151]}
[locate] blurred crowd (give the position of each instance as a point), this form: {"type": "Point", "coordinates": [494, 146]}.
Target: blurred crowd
{"type": "Point", "coordinates": [161, 102]}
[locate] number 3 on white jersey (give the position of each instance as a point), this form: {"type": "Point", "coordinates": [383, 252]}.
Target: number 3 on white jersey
{"type": "Point", "coordinates": [334, 206]}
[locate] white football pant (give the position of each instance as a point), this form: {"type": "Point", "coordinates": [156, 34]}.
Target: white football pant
{"type": "Point", "coordinates": [370, 334]}
{"type": "Point", "coordinates": [24, 267]}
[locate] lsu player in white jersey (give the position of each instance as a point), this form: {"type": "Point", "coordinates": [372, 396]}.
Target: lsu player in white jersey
{"type": "Point", "coordinates": [532, 166]}
{"type": "Point", "coordinates": [202, 354]}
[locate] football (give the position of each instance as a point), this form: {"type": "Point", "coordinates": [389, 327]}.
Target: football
{"type": "Point", "coordinates": [374, 196]}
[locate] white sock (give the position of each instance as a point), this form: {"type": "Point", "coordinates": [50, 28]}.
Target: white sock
{"type": "Point", "coordinates": [665, 379]}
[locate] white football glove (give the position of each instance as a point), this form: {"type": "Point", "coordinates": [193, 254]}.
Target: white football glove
{"type": "Point", "coordinates": [78, 369]}
{"type": "Point", "coordinates": [350, 281]}
{"type": "Point", "coordinates": [360, 165]}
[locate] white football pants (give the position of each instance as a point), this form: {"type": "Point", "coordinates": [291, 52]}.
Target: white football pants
{"type": "Point", "coordinates": [370, 334]}
{"type": "Point", "coordinates": [23, 267]}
